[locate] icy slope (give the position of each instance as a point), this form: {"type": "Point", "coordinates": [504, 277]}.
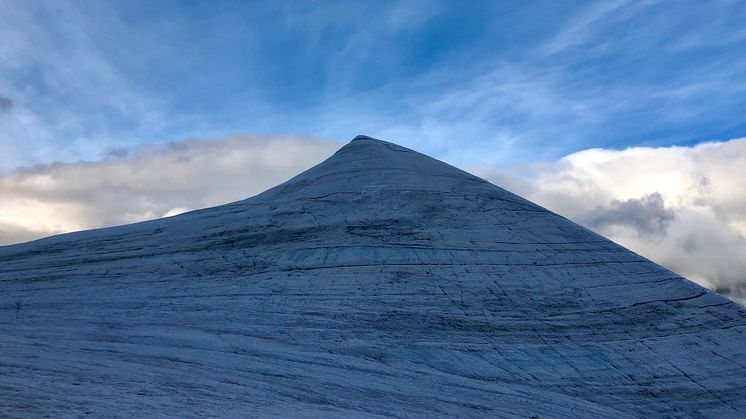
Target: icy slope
{"type": "Point", "coordinates": [378, 283]}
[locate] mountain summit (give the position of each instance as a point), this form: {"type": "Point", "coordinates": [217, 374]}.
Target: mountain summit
{"type": "Point", "coordinates": [380, 282]}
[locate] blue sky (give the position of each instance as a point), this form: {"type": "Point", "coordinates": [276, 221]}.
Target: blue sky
{"type": "Point", "coordinates": [487, 82]}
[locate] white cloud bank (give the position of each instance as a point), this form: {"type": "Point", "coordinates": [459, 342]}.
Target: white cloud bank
{"type": "Point", "coordinates": [146, 182]}
{"type": "Point", "coordinates": [683, 207]}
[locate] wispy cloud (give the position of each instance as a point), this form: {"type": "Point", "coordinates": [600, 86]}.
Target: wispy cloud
{"type": "Point", "coordinates": [608, 78]}
{"type": "Point", "coordinates": [71, 97]}
{"type": "Point", "coordinates": [461, 82]}
{"type": "Point", "coordinates": [583, 25]}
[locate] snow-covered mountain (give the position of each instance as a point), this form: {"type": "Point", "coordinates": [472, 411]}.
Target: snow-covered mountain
{"type": "Point", "coordinates": [379, 283]}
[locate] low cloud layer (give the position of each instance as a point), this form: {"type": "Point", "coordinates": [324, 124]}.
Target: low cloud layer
{"type": "Point", "coordinates": [146, 182]}
{"type": "Point", "coordinates": [647, 216]}
{"type": "Point", "coordinates": [683, 207]}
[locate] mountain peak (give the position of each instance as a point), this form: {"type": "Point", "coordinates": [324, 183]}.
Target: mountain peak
{"type": "Point", "coordinates": [364, 137]}
{"type": "Point", "coordinates": [362, 140]}
{"type": "Point", "coordinates": [376, 141]}
{"type": "Point", "coordinates": [379, 282]}
{"type": "Point", "coordinates": [367, 165]}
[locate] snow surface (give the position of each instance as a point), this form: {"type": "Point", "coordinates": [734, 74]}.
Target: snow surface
{"type": "Point", "coordinates": [379, 283]}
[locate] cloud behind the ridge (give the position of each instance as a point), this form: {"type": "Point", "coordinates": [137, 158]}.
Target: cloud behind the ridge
{"type": "Point", "coordinates": [146, 182]}
{"type": "Point", "coordinates": [647, 216]}
{"type": "Point", "coordinates": [683, 207]}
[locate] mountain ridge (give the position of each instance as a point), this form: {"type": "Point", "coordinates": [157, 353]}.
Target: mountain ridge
{"type": "Point", "coordinates": [378, 282]}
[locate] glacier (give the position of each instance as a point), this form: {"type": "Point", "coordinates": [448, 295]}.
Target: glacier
{"type": "Point", "coordinates": [379, 283]}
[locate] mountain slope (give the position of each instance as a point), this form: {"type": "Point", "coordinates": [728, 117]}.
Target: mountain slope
{"type": "Point", "coordinates": [379, 283]}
